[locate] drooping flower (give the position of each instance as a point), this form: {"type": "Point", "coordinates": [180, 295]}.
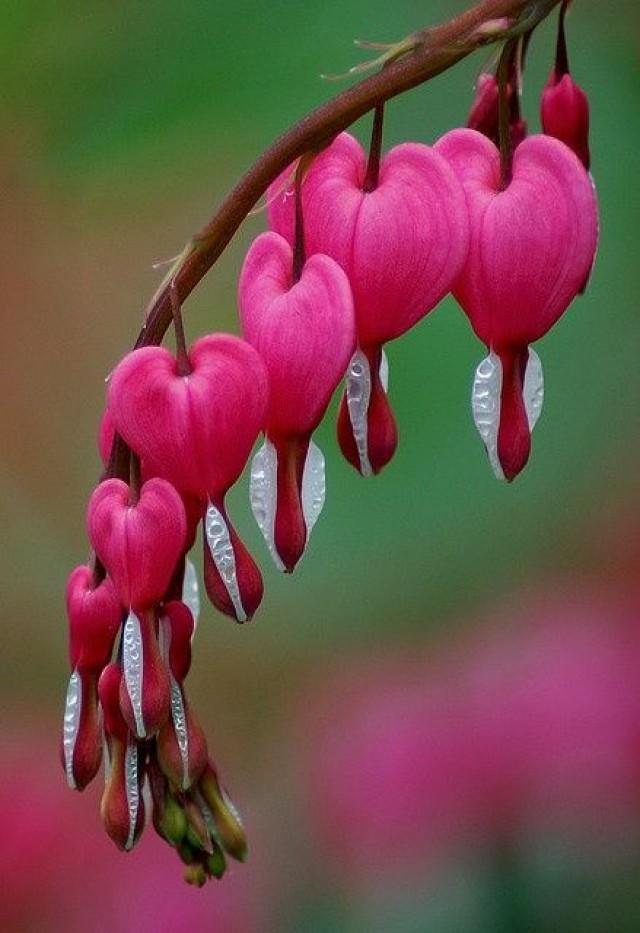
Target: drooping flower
{"type": "Point", "coordinates": [532, 246]}
{"type": "Point", "coordinates": [402, 244]}
{"type": "Point", "coordinates": [304, 330]}
{"type": "Point", "coordinates": [140, 544]}
{"type": "Point", "coordinates": [181, 744]}
{"type": "Point", "coordinates": [210, 419]}
{"type": "Point", "coordinates": [94, 614]}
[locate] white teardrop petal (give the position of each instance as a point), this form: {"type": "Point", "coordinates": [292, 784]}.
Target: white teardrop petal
{"type": "Point", "coordinates": [485, 405]}
{"type": "Point", "coordinates": [263, 491]}
{"type": "Point", "coordinates": [132, 787]}
{"type": "Point", "coordinates": [179, 718]}
{"type": "Point", "coordinates": [313, 486]}
{"type": "Point", "coordinates": [132, 664]}
{"type": "Point", "coordinates": [191, 591]}
{"type": "Point", "coordinates": [533, 390]}
{"type": "Point", "coordinates": [358, 396]}
{"type": "Point", "coordinates": [71, 724]}
{"type": "Point", "coordinates": [384, 371]}
{"type": "Point", "coordinates": [221, 548]}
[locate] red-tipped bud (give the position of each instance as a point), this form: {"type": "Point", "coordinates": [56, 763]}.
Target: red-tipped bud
{"type": "Point", "coordinates": [366, 429]}
{"type": "Point", "coordinates": [139, 542]}
{"type": "Point", "coordinates": [176, 632]}
{"type": "Point", "coordinates": [483, 115]}
{"type": "Point", "coordinates": [231, 576]}
{"type": "Point", "coordinates": [564, 113]}
{"type": "Point", "coordinates": [182, 746]}
{"type": "Point", "coordinates": [94, 614]}
{"type": "Point", "coordinates": [145, 698]}
{"type": "Point", "coordinates": [224, 813]}
{"type": "Point", "coordinates": [81, 749]}
{"type": "Point", "coordinates": [122, 804]}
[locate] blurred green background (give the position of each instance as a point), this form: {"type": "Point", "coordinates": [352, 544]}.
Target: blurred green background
{"type": "Point", "coordinates": [124, 125]}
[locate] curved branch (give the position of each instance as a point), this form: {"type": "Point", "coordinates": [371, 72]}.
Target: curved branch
{"type": "Point", "coordinates": [428, 53]}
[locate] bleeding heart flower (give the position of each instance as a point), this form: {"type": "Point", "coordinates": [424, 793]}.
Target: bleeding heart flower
{"type": "Point", "coordinates": [140, 542]}
{"type": "Point", "coordinates": [209, 421]}
{"type": "Point", "coordinates": [401, 244]}
{"type": "Point", "coordinates": [532, 245]}
{"type": "Point", "coordinates": [95, 615]}
{"type": "Point", "coordinates": [122, 804]}
{"type": "Point", "coordinates": [181, 744]}
{"type": "Point", "coordinates": [304, 331]}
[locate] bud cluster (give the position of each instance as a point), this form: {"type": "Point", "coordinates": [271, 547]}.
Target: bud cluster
{"type": "Point", "coordinates": [361, 248]}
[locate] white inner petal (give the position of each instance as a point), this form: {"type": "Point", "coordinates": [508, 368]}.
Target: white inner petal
{"type": "Point", "coordinates": [263, 492]}
{"type": "Point", "coordinates": [221, 548]}
{"type": "Point", "coordinates": [179, 718]}
{"type": "Point", "coordinates": [533, 390]}
{"type": "Point", "coordinates": [71, 724]}
{"type": "Point", "coordinates": [314, 486]}
{"type": "Point", "coordinates": [384, 371]}
{"type": "Point", "coordinates": [485, 405]}
{"type": "Point", "coordinates": [191, 592]}
{"type": "Point", "coordinates": [358, 395]}
{"type": "Point", "coordinates": [132, 788]}
{"type": "Point", "coordinates": [132, 663]}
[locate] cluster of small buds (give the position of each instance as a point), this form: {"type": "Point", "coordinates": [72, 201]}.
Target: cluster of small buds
{"type": "Point", "coordinates": [359, 251]}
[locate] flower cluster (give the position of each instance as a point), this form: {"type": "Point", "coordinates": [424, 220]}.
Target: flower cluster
{"type": "Point", "coordinates": [360, 249]}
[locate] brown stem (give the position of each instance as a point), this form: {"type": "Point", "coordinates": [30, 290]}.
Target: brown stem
{"type": "Point", "coordinates": [428, 53]}
{"type": "Point", "coordinates": [562, 56]}
{"type": "Point", "coordinates": [299, 252]}
{"type": "Point", "coordinates": [182, 356]}
{"type": "Point", "coordinates": [375, 150]}
{"type": "Point", "coordinates": [506, 90]}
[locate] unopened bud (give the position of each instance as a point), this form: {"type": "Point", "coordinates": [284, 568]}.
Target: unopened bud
{"type": "Point", "coordinates": [144, 691]}
{"type": "Point", "coordinates": [225, 815]}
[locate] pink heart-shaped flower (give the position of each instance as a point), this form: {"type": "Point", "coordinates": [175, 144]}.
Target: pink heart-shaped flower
{"type": "Point", "coordinates": [195, 430]}
{"type": "Point", "coordinates": [140, 542]}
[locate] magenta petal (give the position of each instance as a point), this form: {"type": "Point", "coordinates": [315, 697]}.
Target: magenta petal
{"type": "Point", "coordinates": [304, 331]}
{"type": "Point", "coordinates": [197, 430]}
{"type": "Point", "coordinates": [564, 113]}
{"type": "Point", "coordinates": [532, 244]}
{"type": "Point", "coordinates": [401, 245]}
{"type": "Point", "coordinates": [138, 543]}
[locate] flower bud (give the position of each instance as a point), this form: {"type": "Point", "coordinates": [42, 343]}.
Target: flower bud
{"type": "Point", "coordinates": [224, 813]}
{"type": "Point", "coordinates": [564, 113]}
{"type": "Point", "coordinates": [122, 804]}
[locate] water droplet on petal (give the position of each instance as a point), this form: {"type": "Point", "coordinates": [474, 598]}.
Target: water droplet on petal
{"type": "Point", "coordinates": [132, 664]}
{"type": "Point", "coordinates": [358, 393]}
{"type": "Point", "coordinates": [313, 486]}
{"type": "Point", "coordinates": [263, 495]}
{"type": "Point", "coordinates": [132, 788]}
{"type": "Point", "coordinates": [191, 592]}
{"type": "Point", "coordinates": [533, 390]}
{"type": "Point", "coordinates": [384, 371]}
{"type": "Point", "coordinates": [485, 405]}
{"type": "Point", "coordinates": [71, 724]}
{"type": "Point", "coordinates": [221, 548]}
